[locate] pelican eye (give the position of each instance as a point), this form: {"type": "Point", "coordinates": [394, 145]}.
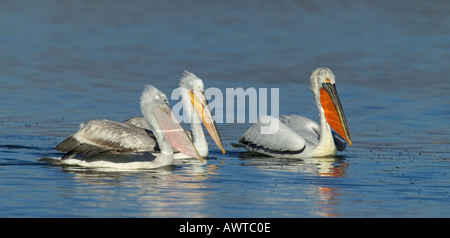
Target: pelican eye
{"type": "Point", "coordinates": [328, 80]}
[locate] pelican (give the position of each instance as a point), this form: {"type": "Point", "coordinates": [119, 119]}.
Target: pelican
{"type": "Point", "coordinates": [192, 92]}
{"type": "Point", "coordinates": [298, 136]}
{"type": "Point", "coordinates": [97, 139]}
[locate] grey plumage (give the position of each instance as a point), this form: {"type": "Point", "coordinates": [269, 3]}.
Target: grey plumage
{"type": "Point", "coordinates": [104, 136]}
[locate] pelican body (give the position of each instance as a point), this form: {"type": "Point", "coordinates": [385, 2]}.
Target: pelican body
{"type": "Point", "coordinates": [136, 135]}
{"type": "Point", "coordinates": [298, 136]}
{"type": "Point", "coordinates": [97, 140]}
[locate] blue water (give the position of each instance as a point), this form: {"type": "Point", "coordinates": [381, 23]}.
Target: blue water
{"type": "Point", "coordinates": [65, 62]}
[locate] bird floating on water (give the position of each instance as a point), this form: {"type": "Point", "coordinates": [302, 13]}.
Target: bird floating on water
{"type": "Point", "coordinates": [139, 132]}
{"type": "Point", "coordinates": [192, 92]}
{"type": "Point", "coordinates": [107, 143]}
{"type": "Point", "coordinates": [298, 136]}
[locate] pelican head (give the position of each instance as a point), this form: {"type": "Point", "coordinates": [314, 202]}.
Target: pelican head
{"type": "Point", "coordinates": [320, 76]}
{"type": "Point", "coordinates": [323, 85]}
{"type": "Point", "coordinates": [151, 97]}
{"type": "Point", "coordinates": [196, 91]}
{"type": "Point", "coordinates": [191, 82]}
{"type": "Point", "coordinates": [160, 119]}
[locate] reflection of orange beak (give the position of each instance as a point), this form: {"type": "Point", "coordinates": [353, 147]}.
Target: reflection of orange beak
{"type": "Point", "coordinates": [175, 133]}
{"type": "Point", "coordinates": [204, 112]}
{"type": "Point", "coordinates": [333, 111]}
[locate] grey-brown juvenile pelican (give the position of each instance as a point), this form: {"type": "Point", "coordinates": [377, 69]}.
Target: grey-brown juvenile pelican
{"type": "Point", "coordinates": [298, 136]}
{"type": "Point", "coordinates": [192, 92]}
{"type": "Point", "coordinates": [98, 138]}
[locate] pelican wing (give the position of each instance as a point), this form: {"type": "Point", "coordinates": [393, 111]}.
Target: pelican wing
{"type": "Point", "coordinates": [138, 121]}
{"type": "Point", "coordinates": [303, 126]}
{"type": "Point", "coordinates": [282, 141]}
{"type": "Point", "coordinates": [309, 130]}
{"type": "Point", "coordinates": [102, 136]}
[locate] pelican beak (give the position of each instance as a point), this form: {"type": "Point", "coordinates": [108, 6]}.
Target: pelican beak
{"type": "Point", "coordinates": [204, 112]}
{"type": "Point", "coordinates": [333, 110]}
{"type": "Point", "coordinates": [175, 133]}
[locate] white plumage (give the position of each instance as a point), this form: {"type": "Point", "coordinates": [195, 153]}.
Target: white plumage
{"type": "Point", "coordinates": [105, 143]}
{"type": "Point", "coordinates": [298, 136]}
{"type": "Point", "coordinates": [135, 134]}
{"type": "Point", "coordinates": [285, 139]}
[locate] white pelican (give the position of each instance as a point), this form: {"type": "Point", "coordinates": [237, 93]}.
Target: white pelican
{"type": "Point", "coordinates": [298, 136]}
{"type": "Point", "coordinates": [97, 139]}
{"type": "Point", "coordinates": [193, 98]}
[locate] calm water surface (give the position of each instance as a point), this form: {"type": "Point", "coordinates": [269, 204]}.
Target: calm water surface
{"type": "Point", "coordinates": [66, 62]}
